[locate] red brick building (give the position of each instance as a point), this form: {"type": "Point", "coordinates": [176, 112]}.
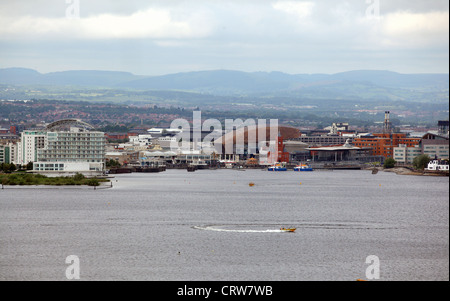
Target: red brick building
{"type": "Point", "coordinates": [283, 156]}
{"type": "Point", "coordinates": [383, 144]}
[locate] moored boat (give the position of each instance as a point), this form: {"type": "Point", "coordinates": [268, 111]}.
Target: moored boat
{"type": "Point", "coordinates": [191, 168]}
{"type": "Point", "coordinates": [278, 167]}
{"type": "Point", "coordinates": [303, 167]}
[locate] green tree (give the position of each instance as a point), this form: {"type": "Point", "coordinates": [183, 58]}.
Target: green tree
{"type": "Point", "coordinates": [93, 182]}
{"type": "Point", "coordinates": [78, 177]}
{"type": "Point", "coordinates": [389, 163]}
{"type": "Point", "coordinates": [420, 162]}
{"type": "Point", "coordinates": [6, 167]}
{"type": "Point", "coordinates": [112, 163]}
{"type": "Point", "coordinates": [12, 167]}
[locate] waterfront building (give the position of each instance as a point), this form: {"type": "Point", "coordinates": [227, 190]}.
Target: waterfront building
{"type": "Point", "coordinates": [72, 151]}
{"type": "Point", "coordinates": [5, 154]}
{"type": "Point", "coordinates": [405, 154]}
{"type": "Point", "coordinates": [436, 165]}
{"type": "Point", "coordinates": [435, 146]}
{"type": "Point", "coordinates": [265, 143]}
{"type": "Point", "coordinates": [297, 151]}
{"type": "Point", "coordinates": [167, 141]}
{"type": "Point", "coordinates": [283, 155]}
{"type": "Point", "coordinates": [124, 158]}
{"type": "Point", "coordinates": [346, 152]}
{"type": "Point", "coordinates": [30, 142]}
{"type": "Point", "coordinates": [70, 146]}
{"type": "Point", "coordinates": [383, 144]}
{"type": "Point", "coordinates": [323, 140]}
{"type": "Point", "coordinates": [141, 140]}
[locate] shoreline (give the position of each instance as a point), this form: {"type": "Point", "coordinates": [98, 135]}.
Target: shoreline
{"type": "Point", "coordinates": [408, 172]}
{"type": "Point", "coordinates": [108, 183]}
{"type": "Point", "coordinates": [23, 179]}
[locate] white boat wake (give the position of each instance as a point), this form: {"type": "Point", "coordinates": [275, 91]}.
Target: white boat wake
{"type": "Point", "coordinates": [221, 229]}
{"type": "Point", "coordinates": [274, 228]}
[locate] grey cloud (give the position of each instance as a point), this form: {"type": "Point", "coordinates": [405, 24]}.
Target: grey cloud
{"type": "Point", "coordinates": [250, 35]}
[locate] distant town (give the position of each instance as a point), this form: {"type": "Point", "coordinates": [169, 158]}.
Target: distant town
{"type": "Point", "coordinates": [70, 146]}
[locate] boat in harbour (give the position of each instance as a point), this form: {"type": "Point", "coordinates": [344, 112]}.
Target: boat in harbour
{"type": "Point", "coordinates": [278, 167]}
{"type": "Point", "coordinates": [228, 164]}
{"type": "Point", "coordinates": [303, 167]}
{"type": "Point", "coordinates": [191, 168]}
{"type": "Point", "coordinates": [199, 164]}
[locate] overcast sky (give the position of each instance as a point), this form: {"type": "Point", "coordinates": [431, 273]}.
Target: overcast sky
{"type": "Point", "coordinates": [155, 37]}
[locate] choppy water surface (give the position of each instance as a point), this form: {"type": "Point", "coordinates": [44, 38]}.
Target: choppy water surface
{"type": "Point", "coordinates": [211, 225]}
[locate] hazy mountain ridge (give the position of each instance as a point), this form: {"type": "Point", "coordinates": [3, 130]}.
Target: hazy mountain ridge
{"type": "Point", "coordinates": [24, 76]}
{"type": "Point", "coordinates": [358, 84]}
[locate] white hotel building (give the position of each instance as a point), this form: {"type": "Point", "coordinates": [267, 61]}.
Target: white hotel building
{"type": "Point", "coordinates": [65, 148]}
{"type": "Point", "coordinates": [71, 152]}
{"type": "Point", "coordinates": [30, 142]}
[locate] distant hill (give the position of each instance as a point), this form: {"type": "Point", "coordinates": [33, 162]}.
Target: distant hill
{"type": "Point", "coordinates": [243, 82]}
{"type": "Point", "coordinates": [215, 82]}
{"type": "Point", "coordinates": [18, 76]}
{"type": "Point", "coordinates": [23, 76]}
{"type": "Point", "coordinates": [396, 80]}
{"type": "Point", "coordinates": [360, 84]}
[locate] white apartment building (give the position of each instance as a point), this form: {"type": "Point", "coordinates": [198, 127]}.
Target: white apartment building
{"type": "Point", "coordinates": [141, 140]}
{"type": "Point", "coordinates": [31, 141]}
{"type": "Point", "coordinates": [5, 154]}
{"type": "Point", "coordinates": [404, 154]}
{"type": "Point", "coordinates": [8, 153]}
{"type": "Point", "coordinates": [69, 152]}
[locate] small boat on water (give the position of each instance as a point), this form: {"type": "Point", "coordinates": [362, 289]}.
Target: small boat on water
{"type": "Point", "coordinates": [303, 167]}
{"type": "Point", "coordinates": [200, 164]}
{"type": "Point", "coordinates": [278, 167]}
{"type": "Point", "coordinates": [288, 229]}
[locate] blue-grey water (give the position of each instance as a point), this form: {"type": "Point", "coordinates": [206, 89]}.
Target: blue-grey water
{"type": "Point", "coordinates": [211, 225]}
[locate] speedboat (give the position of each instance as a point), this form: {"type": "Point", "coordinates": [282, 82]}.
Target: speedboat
{"type": "Point", "coordinates": [303, 167]}
{"type": "Point", "coordinates": [288, 229]}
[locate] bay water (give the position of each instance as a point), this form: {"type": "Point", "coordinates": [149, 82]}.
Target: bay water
{"type": "Point", "coordinates": [211, 225]}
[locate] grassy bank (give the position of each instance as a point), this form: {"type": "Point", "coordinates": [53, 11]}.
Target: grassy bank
{"type": "Point", "coordinates": [36, 179]}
